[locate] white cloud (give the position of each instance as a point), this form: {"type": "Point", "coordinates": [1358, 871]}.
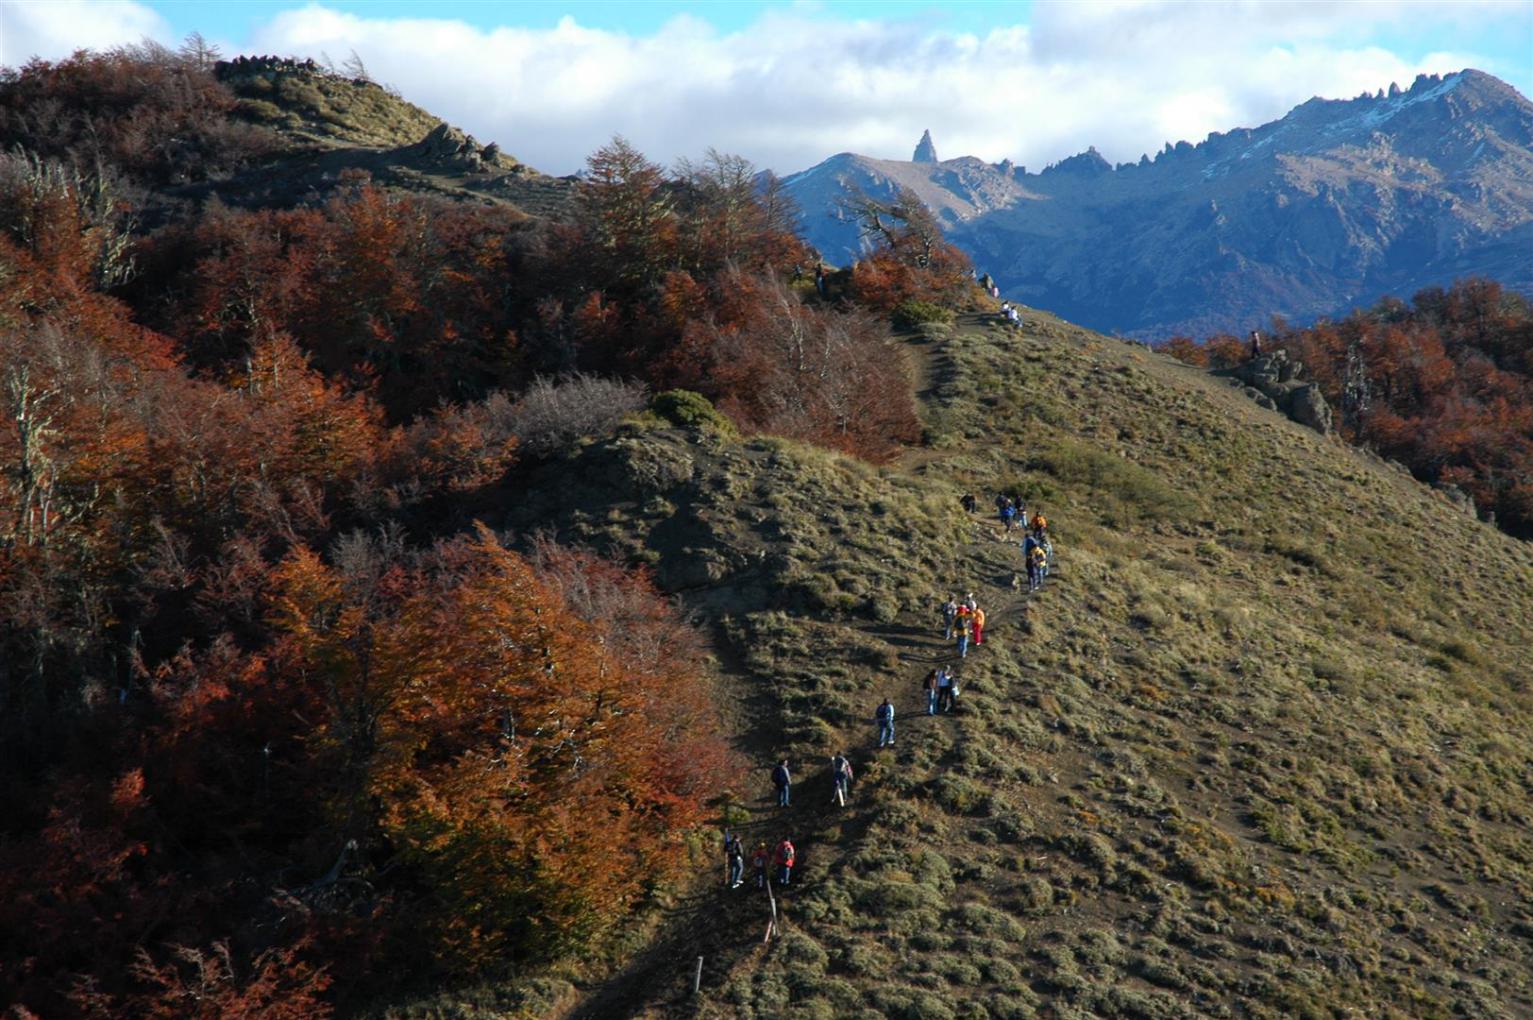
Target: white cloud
{"type": "Point", "coordinates": [800, 84]}
{"type": "Point", "coordinates": [56, 28]}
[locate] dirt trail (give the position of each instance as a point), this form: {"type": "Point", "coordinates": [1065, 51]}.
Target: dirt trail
{"type": "Point", "coordinates": [724, 926]}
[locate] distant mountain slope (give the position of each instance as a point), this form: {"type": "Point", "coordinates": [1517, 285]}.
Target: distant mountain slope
{"type": "Point", "coordinates": [1336, 203]}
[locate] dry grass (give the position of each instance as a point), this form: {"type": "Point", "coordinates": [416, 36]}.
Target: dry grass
{"type": "Point", "coordinates": [1261, 747]}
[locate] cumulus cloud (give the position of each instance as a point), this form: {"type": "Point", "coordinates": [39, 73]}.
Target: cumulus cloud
{"type": "Point", "coordinates": [799, 84]}
{"type": "Point", "coordinates": [56, 28]}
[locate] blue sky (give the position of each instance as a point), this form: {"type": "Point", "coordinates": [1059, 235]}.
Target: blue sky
{"type": "Point", "coordinates": [787, 83]}
{"type": "Point", "coordinates": [234, 19]}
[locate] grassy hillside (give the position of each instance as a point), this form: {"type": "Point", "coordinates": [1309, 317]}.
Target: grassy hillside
{"type": "Point", "coordinates": [329, 124]}
{"type": "Point", "coordinates": [1260, 748]}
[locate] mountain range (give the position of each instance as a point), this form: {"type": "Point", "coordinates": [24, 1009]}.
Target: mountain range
{"type": "Point", "coordinates": [1333, 205]}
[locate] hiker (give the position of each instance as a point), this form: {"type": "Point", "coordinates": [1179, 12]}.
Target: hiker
{"type": "Point", "coordinates": [841, 777]}
{"type": "Point", "coordinates": [968, 502]}
{"type": "Point", "coordinates": [785, 856]}
{"type": "Point", "coordinates": [1040, 524]}
{"type": "Point", "coordinates": [1008, 516]}
{"type": "Point", "coordinates": [965, 626]}
{"type": "Point", "coordinates": [783, 780]}
{"type": "Point", "coordinates": [759, 863]}
{"type": "Point", "coordinates": [945, 689]}
{"type": "Point", "coordinates": [929, 685]}
{"type": "Point", "coordinates": [978, 618]}
{"type": "Point", "coordinates": [949, 615]}
{"type": "Point", "coordinates": [819, 279]}
{"type": "Point", "coordinates": [1000, 502]}
{"type": "Point", "coordinates": [1028, 545]}
{"type": "Point", "coordinates": [885, 719]}
{"type": "Point", "coordinates": [734, 857]}
{"type": "Point", "coordinates": [1035, 568]}
{"type": "Point", "coordinates": [1256, 344]}
{"type": "Point", "coordinates": [969, 603]}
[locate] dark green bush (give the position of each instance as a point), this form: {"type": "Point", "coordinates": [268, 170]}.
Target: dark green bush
{"type": "Point", "coordinates": [691, 411]}
{"type": "Point", "coordinates": [910, 313]}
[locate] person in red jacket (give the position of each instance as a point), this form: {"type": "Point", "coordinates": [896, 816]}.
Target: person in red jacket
{"type": "Point", "coordinates": [784, 857]}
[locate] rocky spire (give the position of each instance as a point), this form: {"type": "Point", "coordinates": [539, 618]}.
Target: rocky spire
{"type": "Point", "coordinates": [926, 152]}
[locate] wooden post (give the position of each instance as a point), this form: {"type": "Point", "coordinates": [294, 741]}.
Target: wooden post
{"type": "Point", "coordinates": [697, 978]}
{"type": "Point", "coordinates": [771, 928]}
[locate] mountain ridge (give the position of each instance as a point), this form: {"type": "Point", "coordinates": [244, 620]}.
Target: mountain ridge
{"type": "Point", "coordinates": [1305, 216]}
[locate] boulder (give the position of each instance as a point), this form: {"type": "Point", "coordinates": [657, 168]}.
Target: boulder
{"type": "Point", "coordinates": [1308, 407]}
{"type": "Point", "coordinates": [443, 142]}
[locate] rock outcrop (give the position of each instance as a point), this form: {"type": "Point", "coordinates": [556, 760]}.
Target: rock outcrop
{"type": "Point", "coordinates": [1274, 381]}
{"type": "Point", "coordinates": [926, 150]}
{"type": "Point", "coordinates": [448, 147]}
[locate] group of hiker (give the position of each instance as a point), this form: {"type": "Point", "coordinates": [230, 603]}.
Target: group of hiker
{"type": "Point", "coordinates": [963, 621]}
{"type": "Point", "coordinates": [1010, 313]}
{"type": "Point", "coordinates": [1037, 550]}
{"type": "Point", "coordinates": [782, 858]}
{"type": "Point", "coordinates": [941, 687]}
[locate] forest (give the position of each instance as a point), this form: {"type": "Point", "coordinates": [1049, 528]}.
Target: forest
{"type": "Point", "coordinates": [282, 719]}
{"type": "Point", "coordinates": [1443, 384]}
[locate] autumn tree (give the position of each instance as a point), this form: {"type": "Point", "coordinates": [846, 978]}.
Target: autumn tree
{"type": "Point", "coordinates": [910, 259]}
{"type": "Point", "coordinates": [627, 210]}
{"type": "Point", "coordinates": [833, 377]}
{"type": "Point", "coordinates": [497, 741]}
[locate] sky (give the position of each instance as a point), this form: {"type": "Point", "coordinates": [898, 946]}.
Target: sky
{"type": "Point", "coordinates": [787, 84]}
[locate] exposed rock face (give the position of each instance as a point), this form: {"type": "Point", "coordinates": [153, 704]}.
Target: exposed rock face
{"type": "Point", "coordinates": [1272, 380]}
{"type": "Point", "coordinates": [1314, 214]}
{"type": "Point", "coordinates": [1307, 407]}
{"type": "Point", "coordinates": [926, 150]}
{"type": "Point", "coordinates": [446, 146]}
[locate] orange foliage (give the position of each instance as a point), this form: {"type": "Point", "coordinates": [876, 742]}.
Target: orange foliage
{"type": "Point", "coordinates": [532, 776]}
{"type": "Point", "coordinates": [1444, 384]}
{"type": "Point", "coordinates": [834, 378]}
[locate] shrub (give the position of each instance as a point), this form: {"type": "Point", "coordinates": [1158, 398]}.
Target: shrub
{"type": "Point", "coordinates": [911, 313]}
{"type": "Point", "coordinates": [553, 413]}
{"type": "Point", "coordinates": [690, 410]}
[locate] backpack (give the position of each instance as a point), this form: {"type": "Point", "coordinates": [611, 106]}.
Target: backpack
{"type": "Point", "coordinates": [785, 853]}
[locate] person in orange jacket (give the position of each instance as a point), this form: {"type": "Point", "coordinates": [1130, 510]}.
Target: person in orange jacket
{"type": "Point", "coordinates": [979, 625]}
